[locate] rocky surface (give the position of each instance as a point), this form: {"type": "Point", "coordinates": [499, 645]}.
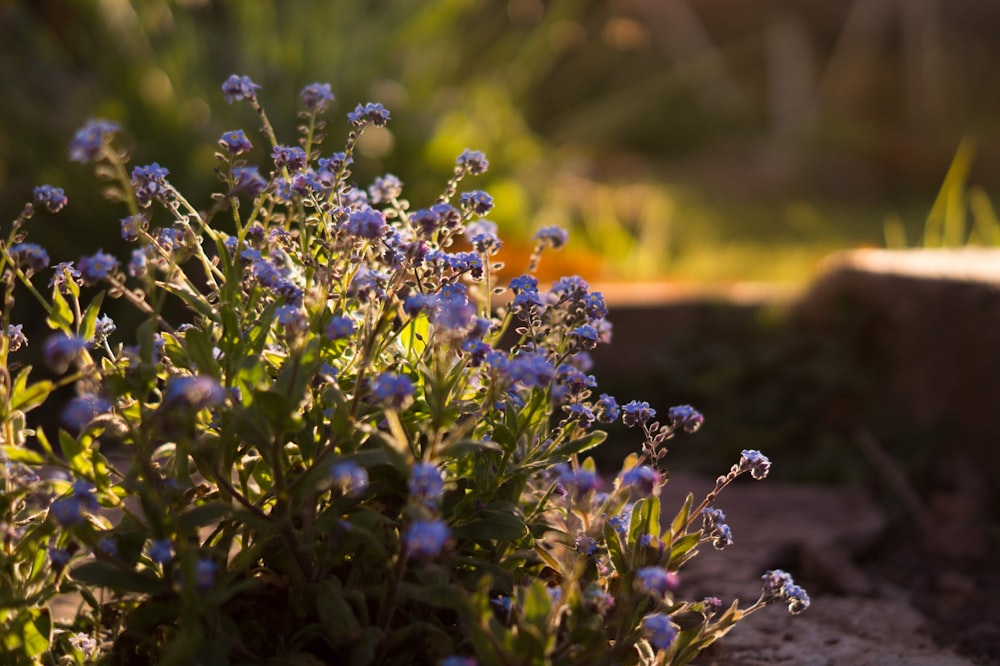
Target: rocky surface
{"type": "Point", "coordinates": [820, 535]}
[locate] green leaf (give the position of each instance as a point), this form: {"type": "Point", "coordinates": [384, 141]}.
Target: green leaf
{"type": "Point", "coordinates": [413, 337]}
{"type": "Point", "coordinates": [613, 541]}
{"type": "Point", "coordinates": [26, 398]}
{"type": "Point", "coordinates": [491, 524]}
{"type": "Point", "coordinates": [31, 632]}
{"type": "Point", "coordinates": [581, 444]}
{"type": "Point", "coordinates": [21, 455]}
{"type": "Point", "coordinates": [118, 579]}
{"type": "Point", "coordinates": [202, 515]}
{"type": "Point", "coordinates": [363, 652]}
{"type": "Point", "coordinates": [89, 324]}
{"type": "Point", "coordinates": [61, 317]}
{"type": "Point", "coordinates": [340, 624]}
{"type": "Point", "coordinates": [465, 447]}
{"type": "Point", "coordinates": [199, 349]}
{"type": "Point", "coordinates": [681, 519]}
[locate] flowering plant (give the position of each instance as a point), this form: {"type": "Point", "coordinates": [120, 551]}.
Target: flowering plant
{"type": "Point", "coordinates": [339, 447]}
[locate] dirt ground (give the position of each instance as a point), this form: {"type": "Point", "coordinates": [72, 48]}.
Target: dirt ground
{"type": "Point", "coordinates": [881, 595]}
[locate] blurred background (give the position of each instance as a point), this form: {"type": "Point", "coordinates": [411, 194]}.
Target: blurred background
{"type": "Point", "coordinates": [694, 140]}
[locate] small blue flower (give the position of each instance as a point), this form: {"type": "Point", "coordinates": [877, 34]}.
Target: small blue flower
{"type": "Point", "coordinates": [581, 413]}
{"type": "Point", "coordinates": [138, 264]}
{"type": "Point", "coordinates": [607, 409]}
{"type": "Point", "coordinates": [503, 604]}
{"type": "Point", "coordinates": [392, 390]}
{"type": "Point", "coordinates": [131, 226]}
{"type": "Point", "coordinates": [425, 483]}
{"type": "Point", "coordinates": [581, 480]}
{"type": "Point", "coordinates": [60, 350]}
{"type": "Point", "coordinates": [349, 477]}
{"type": "Point", "coordinates": [16, 337]}
{"type": "Point", "coordinates": [686, 417]}
{"type": "Point", "coordinates": [586, 544]}
{"type": "Point", "coordinates": [29, 257]}
{"type": "Point", "coordinates": [656, 580]}
{"type": "Point", "coordinates": [204, 572]}
{"type": "Point", "coordinates": [711, 605]}
{"type": "Point", "coordinates": [477, 201]}
{"type": "Point", "coordinates": [316, 97]}
{"type": "Point", "coordinates": [531, 369]}
{"type": "Point", "coordinates": [247, 180]}
{"type": "Point", "coordinates": [585, 336]}
{"type": "Point", "coordinates": [456, 660]}
{"type": "Point", "coordinates": [797, 599]}
{"type": "Point", "coordinates": [235, 142]}
{"type": "Point", "coordinates": [83, 409]}
{"type": "Point", "coordinates": [150, 184]}
{"type": "Point", "coordinates": [385, 188]}
{"type": "Point", "coordinates": [553, 236]}
{"type": "Point", "coordinates": [50, 198]}
{"type": "Point", "coordinates": [659, 630]}
{"type": "Point", "coordinates": [637, 413]}
{"type": "Point", "coordinates": [99, 266]}
{"type": "Point", "coordinates": [88, 143]}
{"type": "Point", "coordinates": [524, 283]}
{"type": "Point", "coordinates": [103, 328]}
{"type": "Point", "coordinates": [160, 551]}
{"type": "Point", "coordinates": [67, 511]}
{"type": "Point", "coordinates": [59, 557]}
{"type": "Point", "coordinates": [292, 157]}
{"type": "Point", "coordinates": [293, 319]}
{"type": "Point", "coordinates": [192, 392]}
{"type": "Point", "coordinates": [425, 539]}
{"type": "Point", "coordinates": [372, 112]}
{"type": "Point", "coordinates": [366, 223]}
{"type": "Point", "coordinates": [340, 328]}
{"type": "Point", "coordinates": [473, 162]}
{"type": "Point", "coordinates": [238, 88]}
{"type": "Point", "coordinates": [643, 477]}
{"type": "Point", "coordinates": [755, 462]}
{"type": "Point", "coordinates": [107, 546]}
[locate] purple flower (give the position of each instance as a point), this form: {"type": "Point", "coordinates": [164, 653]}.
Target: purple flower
{"type": "Point", "coordinates": [366, 223]}
{"type": "Point", "coordinates": [238, 88]}
{"type": "Point", "coordinates": [477, 201]}
{"type": "Point", "coordinates": [656, 580]}
{"type": "Point", "coordinates": [659, 630]}
{"type": "Point", "coordinates": [293, 319]}
{"type": "Point", "coordinates": [552, 236]}
{"type": "Point", "coordinates": [586, 544]}
{"type": "Point", "coordinates": [755, 462]}
{"type": "Point", "coordinates": [66, 511]}
{"type": "Point", "coordinates": [29, 257]}
{"type": "Point", "coordinates": [797, 599]}
{"type": "Point", "coordinates": [392, 390]}
{"type": "Point", "coordinates": [103, 327]}
{"type": "Point", "coordinates": [637, 413]}
{"type": "Point", "coordinates": [50, 198]}
{"type": "Point", "coordinates": [372, 112]}
{"type": "Point", "coordinates": [16, 337]}
{"type": "Point", "coordinates": [425, 482]}
{"type": "Point", "coordinates": [235, 142]}
{"type": "Point", "coordinates": [292, 157]}
{"type": "Point", "coordinates": [425, 539]}
{"type": "Point", "coordinates": [339, 328]}
{"type": "Point", "coordinates": [715, 528]}
{"type": "Point", "coordinates": [456, 660]}
{"type": "Point", "coordinates": [60, 350]}
{"type": "Point", "coordinates": [385, 188]}
{"type": "Point", "coordinates": [711, 605]}
{"type": "Point", "coordinates": [349, 477]}
{"type": "Point", "coordinates": [473, 162]}
{"type": "Point", "coordinates": [97, 267]}
{"type": "Point", "coordinates": [247, 180]}
{"type": "Point", "coordinates": [316, 96]}
{"type": "Point", "coordinates": [82, 409]}
{"type": "Point", "coordinates": [685, 416]}
{"type": "Point", "coordinates": [580, 413]}
{"type": "Point", "coordinates": [150, 184]}
{"type": "Point", "coordinates": [192, 392]}
{"type": "Point", "coordinates": [88, 142]}
{"type": "Point", "coordinates": [160, 551]}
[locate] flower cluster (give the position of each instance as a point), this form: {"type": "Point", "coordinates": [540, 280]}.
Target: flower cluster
{"type": "Point", "coordinates": [336, 439]}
